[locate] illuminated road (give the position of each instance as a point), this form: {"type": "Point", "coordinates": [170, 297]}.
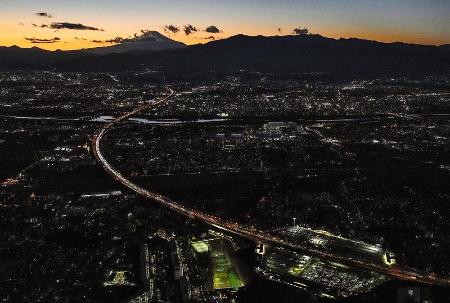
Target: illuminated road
{"type": "Point", "coordinates": [248, 232]}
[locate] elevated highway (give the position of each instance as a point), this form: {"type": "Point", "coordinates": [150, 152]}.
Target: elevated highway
{"type": "Point", "coordinates": [253, 234]}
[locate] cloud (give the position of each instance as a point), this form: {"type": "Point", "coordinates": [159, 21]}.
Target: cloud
{"type": "Point", "coordinates": [210, 38]}
{"type": "Point", "coordinates": [73, 26]}
{"type": "Point", "coordinates": [300, 31]}
{"type": "Point", "coordinates": [280, 30]}
{"type": "Point", "coordinates": [46, 15]}
{"type": "Point", "coordinates": [113, 40]}
{"type": "Point", "coordinates": [21, 23]}
{"type": "Point", "coordinates": [116, 40]}
{"type": "Point", "coordinates": [84, 39]}
{"type": "Point", "coordinates": [39, 40]}
{"type": "Point", "coordinates": [171, 28]}
{"type": "Point", "coordinates": [42, 25]}
{"type": "Point", "coordinates": [189, 29]}
{"type": "Point", "coordinates": [212, 30]}
{"type": "Point", "coordinates": [145, 36]}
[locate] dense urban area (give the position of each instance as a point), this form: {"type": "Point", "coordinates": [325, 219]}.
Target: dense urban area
{"type": "Point", "coordinates": [359, 168]}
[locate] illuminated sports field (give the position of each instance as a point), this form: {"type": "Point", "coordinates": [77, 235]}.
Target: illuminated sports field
{"type": "Point", "coordinates": [225, 275]}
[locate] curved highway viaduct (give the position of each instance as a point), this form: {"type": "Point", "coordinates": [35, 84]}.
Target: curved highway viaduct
{"type": "Point", "coordinates": [238, 229]}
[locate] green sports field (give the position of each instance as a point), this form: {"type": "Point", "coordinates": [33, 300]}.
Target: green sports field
{"type": "Point", "coordinates": [224, 272]}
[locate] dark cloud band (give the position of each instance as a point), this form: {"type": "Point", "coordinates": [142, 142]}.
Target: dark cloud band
{"type": "Point", "coordinates": [113, 40]}
{"type": "Point", "coordinates": [144, 36]}
{"type": "Point", "coordinates": [45, 15]}
{"type": "Point", "coordinates": [39, 40]}
{"type": "Point", "coordinates": [212, 29]}
{"type": "Point", "coordinates": [171, 28]}
{"type": "Point", "coordinates": [42, 25]}
{"type": "Point", "coordinates": [73, 26]}
{"type": "Point", "coordinates": [189, 29]}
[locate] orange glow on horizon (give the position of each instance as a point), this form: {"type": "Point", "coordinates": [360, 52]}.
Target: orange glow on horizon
{"type": "Point", "coordinates": [15, 35]}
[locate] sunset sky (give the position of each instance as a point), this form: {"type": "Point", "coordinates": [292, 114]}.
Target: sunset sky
{"type": "Point", "coordinates": [72, 24]}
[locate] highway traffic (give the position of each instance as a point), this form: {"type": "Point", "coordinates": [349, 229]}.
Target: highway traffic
{"type": "Point", "coordinates": [256, 235]}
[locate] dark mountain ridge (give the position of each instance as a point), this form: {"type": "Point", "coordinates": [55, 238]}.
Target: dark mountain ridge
{"type": "Point", "coordinates": [15, 57]}
{"type": "Point", "coordinates": [309, 54]}
{"type": "Point", "coordinates": [283, 54]}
